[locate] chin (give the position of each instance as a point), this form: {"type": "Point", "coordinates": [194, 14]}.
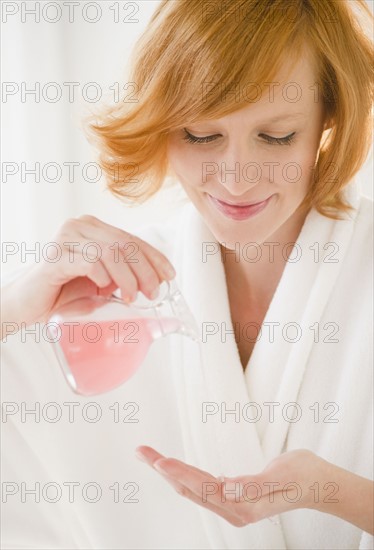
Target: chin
{"type": "Point", "coordinates": [233, 234]}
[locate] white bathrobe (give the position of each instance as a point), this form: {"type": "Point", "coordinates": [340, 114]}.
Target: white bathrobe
{"type": "Point", "coordinates": [176, 403]}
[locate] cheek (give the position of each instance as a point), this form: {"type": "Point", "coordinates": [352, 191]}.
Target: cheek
{"type": "Point", "coordinates": [186, 164]}
{"type": "Point", "coordinates": [296, 168]}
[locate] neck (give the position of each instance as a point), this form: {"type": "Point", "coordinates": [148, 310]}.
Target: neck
{"type": "Point", "coordinates": [257, 280]}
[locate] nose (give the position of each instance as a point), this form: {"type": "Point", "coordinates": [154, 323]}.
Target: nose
{"type": "Point", "coordinates": [237, 171]}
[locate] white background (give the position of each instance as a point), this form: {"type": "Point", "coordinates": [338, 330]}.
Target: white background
{"type": "Point", "coordinates": [80, 51]}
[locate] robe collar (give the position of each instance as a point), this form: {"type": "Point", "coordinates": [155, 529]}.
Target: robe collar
{"type": "Point", "coordinates": [211, 381]}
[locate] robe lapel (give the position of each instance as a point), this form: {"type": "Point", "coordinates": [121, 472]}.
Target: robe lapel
{"type": "Point", "coordinates": [275, 371]}
{"type": "Point", "coordinates": [210, 379]}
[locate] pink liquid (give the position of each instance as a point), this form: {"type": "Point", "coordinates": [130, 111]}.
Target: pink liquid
{"type": "Point", "coordinates": [102, 359]}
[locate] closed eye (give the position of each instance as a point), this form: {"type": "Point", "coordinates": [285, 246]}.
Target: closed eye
{"type": "Point", "coordinates": [193, 139]}
{"type": "Point", "coordinates": [287, 140]}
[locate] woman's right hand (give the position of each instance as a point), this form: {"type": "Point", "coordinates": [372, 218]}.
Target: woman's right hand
{"type": "Point", "coordinates": [118, 260]}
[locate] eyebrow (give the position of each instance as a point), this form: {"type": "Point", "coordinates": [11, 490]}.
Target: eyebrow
{"type": "Point", "coordinates": [285, 117]}
{"type": "Point", "coordinates": [274, 119]}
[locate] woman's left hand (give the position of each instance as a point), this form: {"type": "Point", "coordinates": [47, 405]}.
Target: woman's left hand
{"type": "Point", "coordinates": [283, 485]}
{"type": "Point", "coordinates": [295, 479]}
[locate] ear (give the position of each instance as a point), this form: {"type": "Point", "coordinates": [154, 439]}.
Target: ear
{"type": "Point", "coordinates": [328, 123]}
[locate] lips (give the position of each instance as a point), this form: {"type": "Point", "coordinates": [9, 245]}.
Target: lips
{"type": "Point", "coordinates": [239, 211]}
{"type": "Point", "coordinates": [239, 204]}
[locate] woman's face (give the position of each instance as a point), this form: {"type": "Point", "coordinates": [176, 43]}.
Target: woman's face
{"type": "Point", "coordinates": [262, 155]}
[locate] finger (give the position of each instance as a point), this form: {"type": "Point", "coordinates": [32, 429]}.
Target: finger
{"type": "Point", "coordinates": [75, 261]}
{"type": "Point", "coordinates": [206, 488]}
{"type": "Point", "coordinates": [105, 272]}
{"type": "Point", "coordinates": [79, 287]}
{"type": "Point", "coordinates": [107, 290]}
{"type": "Point", "coordinates": [129, 244]}
{"type": "Point", "coordinates": [144, 271]}
{"type": "Point", "coordinates": [148, 454]}
{"type": "Point", "coordinates": [184, 472]}
{"type": "Point", "coordinates": [159, 261]}
{"type": "Point", "coordinates": [151, 457]}
{"type": "Point", "coordinates": [86, 235]}
{"type": "Point", "coordinates": [129, 267]}
{"type": "Point", "coordinates": [201, 483]}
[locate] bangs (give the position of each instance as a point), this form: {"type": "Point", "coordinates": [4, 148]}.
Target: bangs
{"type": "Point", "coordinates": [227, 56]}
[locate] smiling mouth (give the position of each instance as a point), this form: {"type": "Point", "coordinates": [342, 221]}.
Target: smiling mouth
{"type": "Point", "coordinates": [239, 211]}
{"type": "Point", "coordinates": [239, 205]}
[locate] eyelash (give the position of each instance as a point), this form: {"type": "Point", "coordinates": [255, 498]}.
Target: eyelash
{"type": "Point", "coordinates": [287, 140]}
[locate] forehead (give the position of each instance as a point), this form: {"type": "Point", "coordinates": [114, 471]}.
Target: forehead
{"type": "Point", "coordinates": [303, 71]}
{"type": "Point", "coordinates": [291, 95]}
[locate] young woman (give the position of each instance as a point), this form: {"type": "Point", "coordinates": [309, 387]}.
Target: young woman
{"type": "Point", "coordinates": [262, 111]}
